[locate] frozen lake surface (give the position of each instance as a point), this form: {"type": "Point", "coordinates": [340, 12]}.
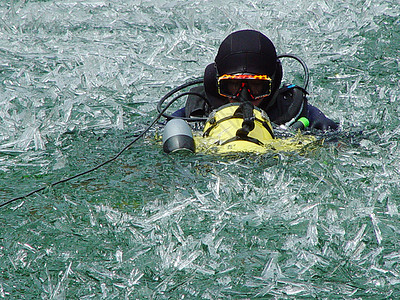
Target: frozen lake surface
{"type": "Point", "coordinates": [80, 79]}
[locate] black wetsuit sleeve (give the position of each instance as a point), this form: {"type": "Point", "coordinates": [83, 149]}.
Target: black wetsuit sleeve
{"type": "Point", "coordinates": [291, 104]}
{"type": "Point", "coordinates": [180, 113]}
{"type": "Point", "coordinates": [318, 120]}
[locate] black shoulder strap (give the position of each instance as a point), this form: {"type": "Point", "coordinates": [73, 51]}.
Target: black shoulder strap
{"type": "Point", "coordinates": [196, 105]}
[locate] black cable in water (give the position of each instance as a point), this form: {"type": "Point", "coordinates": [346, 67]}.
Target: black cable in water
{"type": "Point", "coordinates": [160, 114]}
{"type": "Point", "coordinates": [85, 172]}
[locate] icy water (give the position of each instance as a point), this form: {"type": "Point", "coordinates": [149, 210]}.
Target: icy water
{"type": "Point", "coordinates": [81, 79]}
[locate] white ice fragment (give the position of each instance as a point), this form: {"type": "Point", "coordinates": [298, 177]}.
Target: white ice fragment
{"type": "Point", "coordinates": [169, 211]}
{"type": "Point", "coordinates": [180, 38]}
{"type": "Point", "coordinates": [366, 144]}
{"type": "Point", "coordinates": [60, 160]}
{"type": "Point", "coordinates": [215, 187]}
{"type": "Point", "coordinates": [119, 285]}
{"type": "Point", "coordinates": [379, 269]}
{"type": "Point", "coordinates": [92, 218]}
{"type": "Point", "coordinates": [191, 258]}
{"type": "Point", "coordinates": [29, 247]}
{"type": "Point", "coordinates": [134, 277]}
{"type": "Point", "coordinates": [31, 134]}
{"type": "Point", "coordinates": [377, 231]}
{"type": "Point", "coordinates": [2, 293]}
{"type": "Point", "coordinates": [383, 196]}
{"type": "Point", "coordinates": [203, 270]}
{"type": "Point", "coordinates": [392, 209]}
{"type": "Point", "coordinates": [200, 197]}
{"type": "Point", "coordinates": [357, 253]}
{"type": "Point", "coordinates": [294, 290]}
{"type": "Point", "coordinates": [20, 258]}
{"type": "Point", "coordinates": [104, 290]}
{"type": "Point", "coordinates": [272, 269]}
{"type": "Point", "coordinates": [307, 208]}
{"type": "Point", "coordinates": [227, 270]}
{"type": "Point", "coordinates": [312, 234]}
{"type": "Point", "coordinates": [226, 280]}
{"type": "Point", "coordinates": [120, 119]}
{"type": "Point", "coordinates": [352, 244]}
{"type": "Point", "coordinates": [18, 206]}
{"type": "Point", "coordinates": [178, 235]}
{"type": "Point", "coordinates": [69, 201]}
{"type": "Point", "coordinates": [331, 215]}
{"type": "Point", "coordinates": [58, 291]}
{"type": "Point", "coordinates": [118, 256]}
{"type": "Point", "coordinates": [341, 76]}
{"type": "Point", "coordinates": [107, 111]}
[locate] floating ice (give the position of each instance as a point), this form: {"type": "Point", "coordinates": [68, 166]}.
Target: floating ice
{"type": "Point", "coordinates": [78, 78]}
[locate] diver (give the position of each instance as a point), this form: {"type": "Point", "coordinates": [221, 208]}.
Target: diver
{"type": "Point", "coordinates": [247, 69]}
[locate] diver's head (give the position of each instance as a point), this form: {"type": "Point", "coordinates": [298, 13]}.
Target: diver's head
{"type": "Point", "coordinates": [246, 67]}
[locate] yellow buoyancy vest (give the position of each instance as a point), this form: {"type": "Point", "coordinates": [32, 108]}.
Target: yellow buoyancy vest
{"type": "Point", "coordinates": [225, 129]}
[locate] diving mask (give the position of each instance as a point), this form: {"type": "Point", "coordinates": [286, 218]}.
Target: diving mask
{"type": "Point", "coordinates": [259, 86]}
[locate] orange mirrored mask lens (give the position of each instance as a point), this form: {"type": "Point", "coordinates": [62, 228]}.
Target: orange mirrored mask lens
{"type": "Point", "coordinates": [258, 85]}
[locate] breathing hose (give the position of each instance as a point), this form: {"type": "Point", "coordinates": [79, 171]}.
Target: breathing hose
{"type": "Point", "coordinates": [303, 64]}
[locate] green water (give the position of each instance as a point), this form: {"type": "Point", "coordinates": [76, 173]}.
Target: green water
{"type": "Point", "coordinates": [79, 79]}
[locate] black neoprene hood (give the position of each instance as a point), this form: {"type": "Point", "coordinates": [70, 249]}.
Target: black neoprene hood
{"type": "Point", "coordinates": [246, 51]}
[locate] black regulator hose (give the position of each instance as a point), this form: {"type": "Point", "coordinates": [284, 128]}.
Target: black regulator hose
{"type": "Point", "coordinates": [303, 64]}
{"type": "Point", "coordinates": [176, 90]}
{"type": "Point", "coordinates": [302, 123]}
